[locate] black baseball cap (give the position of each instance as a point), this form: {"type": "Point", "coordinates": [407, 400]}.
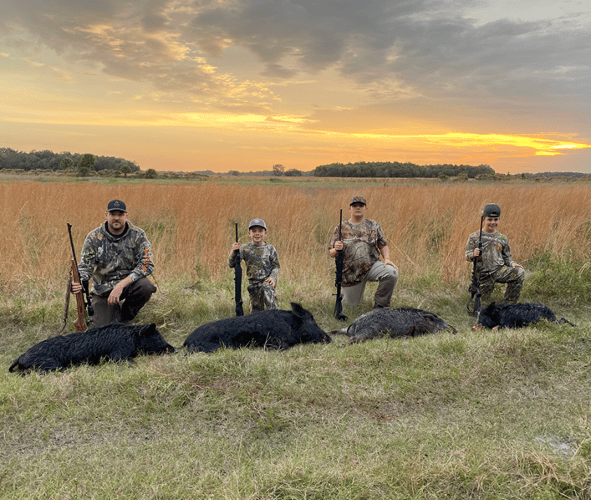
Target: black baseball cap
{"type": "Point", "coordinates": [116, 206]}
{"type": "Point", "coordinates": [492, 210]}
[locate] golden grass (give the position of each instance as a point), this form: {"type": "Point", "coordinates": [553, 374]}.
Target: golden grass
{"type": "Point", "coordinates": [191, 225]}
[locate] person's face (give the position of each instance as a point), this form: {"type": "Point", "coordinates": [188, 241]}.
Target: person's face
{"type": "Point", "coordinates": [257, 235]}
{"type": "Point", "coordinates": [490, 224]}
{"type": "Point", "coordinates": [116, 221]}
{"type": "Point", "coordinates": [357, 210]}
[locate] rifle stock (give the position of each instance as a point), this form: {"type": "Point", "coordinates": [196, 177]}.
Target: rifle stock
{"type": "Point", "coordinates": [338, 307]}
{"type": "Point", "coordinates": [82, 297]}
{"type": "Point", "coordinates": [80, 323]}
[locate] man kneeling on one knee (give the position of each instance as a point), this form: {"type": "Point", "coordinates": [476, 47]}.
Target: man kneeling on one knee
{"type": "Point", "coordinates": [363, 244]}
{"type": "Point", "coordinates": [118, 257]}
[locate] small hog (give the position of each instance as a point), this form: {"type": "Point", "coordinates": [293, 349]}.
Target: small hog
{"type": "Point", "coordinates": [401, 322]}
{"type": "Point", "coordinates": [270, 329]}
{"type": "Point", "coordinates": [505, 315]}
{"type": "Point", "coordinates": [116, 342]}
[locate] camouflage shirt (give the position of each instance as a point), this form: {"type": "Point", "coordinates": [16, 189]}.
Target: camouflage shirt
{"type": "Point", "coordinates": [495, 250]}
{"type": "Point", "coordinates": [107, 258]}
{"type": "Point", "coordinates": [261, 261]}
{"type": "Point", "coordinates": [362, 243]}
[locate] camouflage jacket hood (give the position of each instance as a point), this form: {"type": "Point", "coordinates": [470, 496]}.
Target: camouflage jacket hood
{"type": "Point", "coordinates": [107, 258]}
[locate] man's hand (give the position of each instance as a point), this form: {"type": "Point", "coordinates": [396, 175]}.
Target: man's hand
{"type": "Point", "coordinates": [115, 294]}
{"type": "Point", "coordinates": [270, 281]}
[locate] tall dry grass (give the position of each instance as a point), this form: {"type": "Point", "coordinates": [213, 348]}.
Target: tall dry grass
{"type": "Point", "coordinates": [191, 225]}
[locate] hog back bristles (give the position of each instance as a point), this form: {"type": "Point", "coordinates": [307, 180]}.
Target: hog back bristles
{"type": "Point", "coordinates": [191, 225]}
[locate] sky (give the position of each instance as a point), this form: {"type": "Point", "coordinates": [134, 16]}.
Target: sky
{"type": "Point", "coordinates": [243, 85]}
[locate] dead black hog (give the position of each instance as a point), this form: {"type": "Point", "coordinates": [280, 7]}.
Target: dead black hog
{"type": "Point", "coordinates": [400, 322]}
{"type": "Point", "coordinates": [271, 329]}
{"type": "Point", "coordinates": [505, 315]}
{"type": "Point", "coordinates": [116, 342]}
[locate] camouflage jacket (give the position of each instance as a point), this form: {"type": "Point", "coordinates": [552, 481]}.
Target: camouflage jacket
{"type": "Point", "coordinates": [495, 250]}
{"type": "Point", "coordinates": [261, 262]}
{"type": "Point", "coordinates": [362, 244]}
{"type": "Point", "coordinates": [107, 259]}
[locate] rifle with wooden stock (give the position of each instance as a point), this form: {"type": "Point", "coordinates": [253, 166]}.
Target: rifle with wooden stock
{"type": "Point", "coordinates": [474, 287]}
{"type": "Point", "coordinates": [338, 307]}
{"type": "Point", "coordinates": [238, 281]}
{"type": "Point", "coordinates": [82, 297]}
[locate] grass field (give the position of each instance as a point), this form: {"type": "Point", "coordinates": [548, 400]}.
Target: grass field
{"type": "Point", "coordinates": [488, 415]}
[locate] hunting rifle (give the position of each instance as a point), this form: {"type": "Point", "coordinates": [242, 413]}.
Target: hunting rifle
{"type": "Point", "coordinates": [82, 298]}
{"type": "Point", "coordinates": [338, 307]}
{"type": "Point", "coordinates": [474, 287]}
{"type": "Point", "coordinates": [238, 281]}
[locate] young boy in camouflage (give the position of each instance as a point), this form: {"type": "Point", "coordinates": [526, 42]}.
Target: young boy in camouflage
{"type": "Point", "coordinates": [262, 266]}
{"type": "Point", "coordinates": [497, 264]}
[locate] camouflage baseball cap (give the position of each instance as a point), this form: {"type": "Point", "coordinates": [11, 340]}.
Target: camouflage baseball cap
{"type": "Point", "coordinates": [257, 222]}
{"type": "Point", "coordinates": [358, 199]}
{"type": "Point", "coordinates": [491, 210]}
{"type": "Point", "coordinates": [116, 206]}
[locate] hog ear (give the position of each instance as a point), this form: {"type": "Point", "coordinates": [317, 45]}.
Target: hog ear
{"type": "Point", "coordinates": [298, 309]}
{"type": "Point", "coordinates": [148, 330]}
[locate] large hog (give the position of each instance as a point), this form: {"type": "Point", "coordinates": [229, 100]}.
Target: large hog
{"type": "Point", "coordinates": [505, 315]}
{"type": "Point", "coordinates": [116, 342]}
{"type": "Point", "coordinates": [270, 329]}
{"type": "Point", "coordinates": [400, 322]}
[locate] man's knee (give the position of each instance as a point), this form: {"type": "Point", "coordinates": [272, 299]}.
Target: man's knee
{"type": "Point", "coordinates": [144, 287]}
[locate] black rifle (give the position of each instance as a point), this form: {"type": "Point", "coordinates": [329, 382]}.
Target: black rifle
{"type": "Point", "coordinates": [338, 307]}
{"type": "Point", "coordinates": [474, 287]}
{"type": "Point", "coordinates": [238, 281]}
{"type": "Point", "coordinates": [82, 298]}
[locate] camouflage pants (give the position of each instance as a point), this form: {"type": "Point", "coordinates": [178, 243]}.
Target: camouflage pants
{"type": "Point", "coordinates": [133, 298]}
{"type": "Point", "coordinates": [513, 276]}
{"type": "Point", "coordinates": [262, 297]}
{"type": "Point", "coordinates": [386, 276]}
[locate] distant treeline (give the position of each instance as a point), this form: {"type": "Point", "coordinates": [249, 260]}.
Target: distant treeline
{"type": "Point", "coordinates": [48, 160]}
{"type": "Point", "coordinates": [396, 169]}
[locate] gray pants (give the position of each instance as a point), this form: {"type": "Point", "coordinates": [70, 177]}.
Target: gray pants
{"type": "Point", "coordinates": [133, 298]}
{"type": "Point", "coordinates": [386, 276]}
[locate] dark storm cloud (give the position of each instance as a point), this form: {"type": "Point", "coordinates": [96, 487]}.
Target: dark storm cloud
{"type": "Point", "coordinates": [421, 44]}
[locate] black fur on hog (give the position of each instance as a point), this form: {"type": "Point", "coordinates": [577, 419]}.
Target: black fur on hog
{"type": "Point", "coordinates": [116, 342]}
{"type": "Point", "coordinates": [270, 329]}
{"type": "Point", "coordinates": [400, 322]}
{"type": "Point", "coordinates": [516, 315]}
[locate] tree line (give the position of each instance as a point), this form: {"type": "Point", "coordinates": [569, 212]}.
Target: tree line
{"type": "Point", "coordinates": [396, 169]}
{"type": "Point", "coordinates": [11, 159]}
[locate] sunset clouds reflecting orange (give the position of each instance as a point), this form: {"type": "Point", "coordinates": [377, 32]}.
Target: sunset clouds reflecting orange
{"type": "Point", "coordinates": [220, 85]}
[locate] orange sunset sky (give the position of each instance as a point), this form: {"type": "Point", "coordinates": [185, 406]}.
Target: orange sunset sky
{"type": "Point", "coordinates": [243, 84]}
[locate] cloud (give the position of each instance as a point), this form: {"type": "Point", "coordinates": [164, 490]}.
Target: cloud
{"type": "Point", "coordinates": [391, 50]}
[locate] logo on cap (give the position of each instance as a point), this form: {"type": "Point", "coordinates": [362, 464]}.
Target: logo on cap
{"type": "Point", "coordinates": [116, 206]}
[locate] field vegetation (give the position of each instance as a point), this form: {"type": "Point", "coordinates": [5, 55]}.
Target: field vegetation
{"type": "Point", "coordinates": [479, 415]}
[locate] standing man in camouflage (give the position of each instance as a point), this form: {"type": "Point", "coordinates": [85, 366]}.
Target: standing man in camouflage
{"type": "Point", "coordinates": [364, 245]}
{"type": "Point", "coordinates": [497, 264]}
{"type": "Point", "coordinates": [262, 266]}
{"type": "Point", "coordinates": [118, 257]}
